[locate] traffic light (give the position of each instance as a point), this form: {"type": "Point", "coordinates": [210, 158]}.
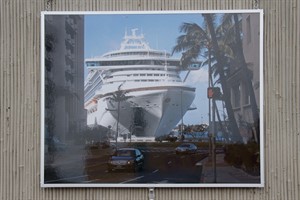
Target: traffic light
{"type": "Point", "coordinates": [214, 93]}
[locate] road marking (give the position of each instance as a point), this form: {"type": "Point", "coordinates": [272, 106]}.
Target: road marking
{"type": "Point", "coordinates": [134, 179]}
{"type": "Point", "coordinates": [155, 171]}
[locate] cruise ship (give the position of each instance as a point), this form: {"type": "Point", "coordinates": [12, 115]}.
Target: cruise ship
{"type": "Point", "coordinates": [136, 90]}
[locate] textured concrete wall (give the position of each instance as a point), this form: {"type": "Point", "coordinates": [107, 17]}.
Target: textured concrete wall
{"type": "Point", "coordinates": [20, 99]}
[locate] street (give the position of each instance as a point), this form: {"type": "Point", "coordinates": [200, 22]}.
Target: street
{"type": "Point", "coordinates": [162, 165]}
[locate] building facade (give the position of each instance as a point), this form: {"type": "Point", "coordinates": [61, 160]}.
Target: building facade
{"type": "Point", "coordinates": [240, 94]}
{"type": "Point", "coordinates": [64, 75]}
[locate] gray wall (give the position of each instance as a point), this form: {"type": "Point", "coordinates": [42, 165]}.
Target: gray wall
{"type": "Point", "coordinates": [20, 99]}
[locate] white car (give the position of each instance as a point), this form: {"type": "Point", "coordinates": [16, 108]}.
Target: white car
{"type": "Point", "coordinates": [186, 148]}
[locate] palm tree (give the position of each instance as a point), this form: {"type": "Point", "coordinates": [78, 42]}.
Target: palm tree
{"type": "Point", "coordinates": [221, 61]}
{"type": "Point", "coordinates": [118, 96]}
{"type": "Point", "coordinates": [196, 40]}
{"type": "Point", "coordinates": [191, 43]}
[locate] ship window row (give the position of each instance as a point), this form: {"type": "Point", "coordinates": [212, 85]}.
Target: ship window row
{"type": "Point", "coordinates": [143, 69]}
{"type": "Point", "coordinates": [87, 97]}
{"type": "Point", "coordinates": [145, 80]}
{"type": "Point", "coordinates": [155, 80]}
{"type": "Point", "coordinates": [91, 92]}
{"type": "Point", "coordinates": [136, 75]}
{"type": "Point", "coordinates": [91, 84]}
{"type": "Point", "coordinates": [93, 80]}
{"type": "Point", "coordinates": [138, 53]}
{"type": "Point", "coordinates": [132, 62]}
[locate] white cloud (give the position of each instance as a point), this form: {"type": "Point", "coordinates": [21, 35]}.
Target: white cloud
{"type": "Point", "coordinates": [197, 76]}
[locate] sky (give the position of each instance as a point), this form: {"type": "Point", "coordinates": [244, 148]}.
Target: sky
{"type": "Point", "coordinates": [105, 32]}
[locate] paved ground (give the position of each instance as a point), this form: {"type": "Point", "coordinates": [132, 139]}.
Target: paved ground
{"type": "Point", "coordinates": [76, 162]}
{"type": "Point", "coordinates": [85, 165]}
{"type": "Point", "coordinates": [225, 172]}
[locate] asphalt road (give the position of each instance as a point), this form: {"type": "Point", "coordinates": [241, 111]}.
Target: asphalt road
{"type": "Point", "coordinates": [162, 165]}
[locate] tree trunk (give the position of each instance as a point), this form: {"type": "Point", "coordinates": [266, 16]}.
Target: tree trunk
{"type": "Point", "coordinates": [117, 135]}
{"type": "Point", "coordinates": [226, 92]}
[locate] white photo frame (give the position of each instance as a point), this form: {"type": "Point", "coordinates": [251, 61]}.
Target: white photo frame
{"type": "Point", "coordinates": [99, 97]}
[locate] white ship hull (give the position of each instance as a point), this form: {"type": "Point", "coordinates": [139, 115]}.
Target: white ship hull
{"type": "Point", "coordinates": [151, 78]}
{"type": "Point", "coordinates": [161, 107]}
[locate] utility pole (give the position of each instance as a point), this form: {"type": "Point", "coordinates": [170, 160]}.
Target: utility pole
{"type": "Point", "coordinates": [212, 112]}
{"type": "Point", "coordinates": [209, 102]}
{"type": "Point", "coordinates": [181, 112]}
{"type": "Point", "coordinates": [214, 141]}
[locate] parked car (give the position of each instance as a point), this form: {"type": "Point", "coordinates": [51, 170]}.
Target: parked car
{"type": "Point", "coordinates": [126, 159]}
{"type": "Point", "coordinates": [186, 148]}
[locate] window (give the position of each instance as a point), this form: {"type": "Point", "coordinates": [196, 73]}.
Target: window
{"type": "Point", "coordinates": [137, 152]}
{"type": "Point", "coordinates": [246, 96]}
{"type": "Point", "coordinates": [248, 29]}
{"type": "Point", "coordinates": [236, 95]}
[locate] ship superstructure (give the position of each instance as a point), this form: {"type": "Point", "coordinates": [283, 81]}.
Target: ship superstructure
{"type": "Point", "coordinates": [136, 87]}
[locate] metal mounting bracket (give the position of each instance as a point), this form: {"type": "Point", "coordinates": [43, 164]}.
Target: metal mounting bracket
{"type": "Point", "coordinates": [151, 194]}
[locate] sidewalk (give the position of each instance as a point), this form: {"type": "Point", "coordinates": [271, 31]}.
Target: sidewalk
{"type": "Point", "coordinates": [225, 172]}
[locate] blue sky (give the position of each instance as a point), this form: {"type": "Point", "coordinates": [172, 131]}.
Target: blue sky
{"type": "Point", "coordinates": [104, 33]}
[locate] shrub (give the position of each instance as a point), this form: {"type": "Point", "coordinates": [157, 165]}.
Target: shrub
{"type": "Point", "coordinates": [245, 156]}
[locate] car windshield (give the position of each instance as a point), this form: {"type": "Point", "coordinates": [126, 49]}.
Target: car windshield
{"type": "Point", "coordinates": [185, 145]}
{"type": "Point", "coordinates": [124, 153]}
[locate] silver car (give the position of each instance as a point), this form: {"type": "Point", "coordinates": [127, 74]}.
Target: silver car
{"type": "Point", "coordinates": [186, 148]}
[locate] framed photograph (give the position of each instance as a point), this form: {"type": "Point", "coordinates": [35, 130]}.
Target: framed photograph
{"type": "Point", "coordinates": [152, 99]}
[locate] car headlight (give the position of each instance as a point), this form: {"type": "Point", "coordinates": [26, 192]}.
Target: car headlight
{"type": "Point", "coordinates": [129, 162]}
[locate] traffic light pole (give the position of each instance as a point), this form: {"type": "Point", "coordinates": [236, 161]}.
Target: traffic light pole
{"type": "Point", "coordinates": [213, 138]}
{"type": "Point", "coordinates": [212, 111]}
{"type": "Point", "coordinates": [209, 104]}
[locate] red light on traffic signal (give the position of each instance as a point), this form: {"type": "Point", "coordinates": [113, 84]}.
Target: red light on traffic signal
{"type": "Point", "coordinates": [214, 93]}
{"type": "Point", "coordinates": [210, 93]}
